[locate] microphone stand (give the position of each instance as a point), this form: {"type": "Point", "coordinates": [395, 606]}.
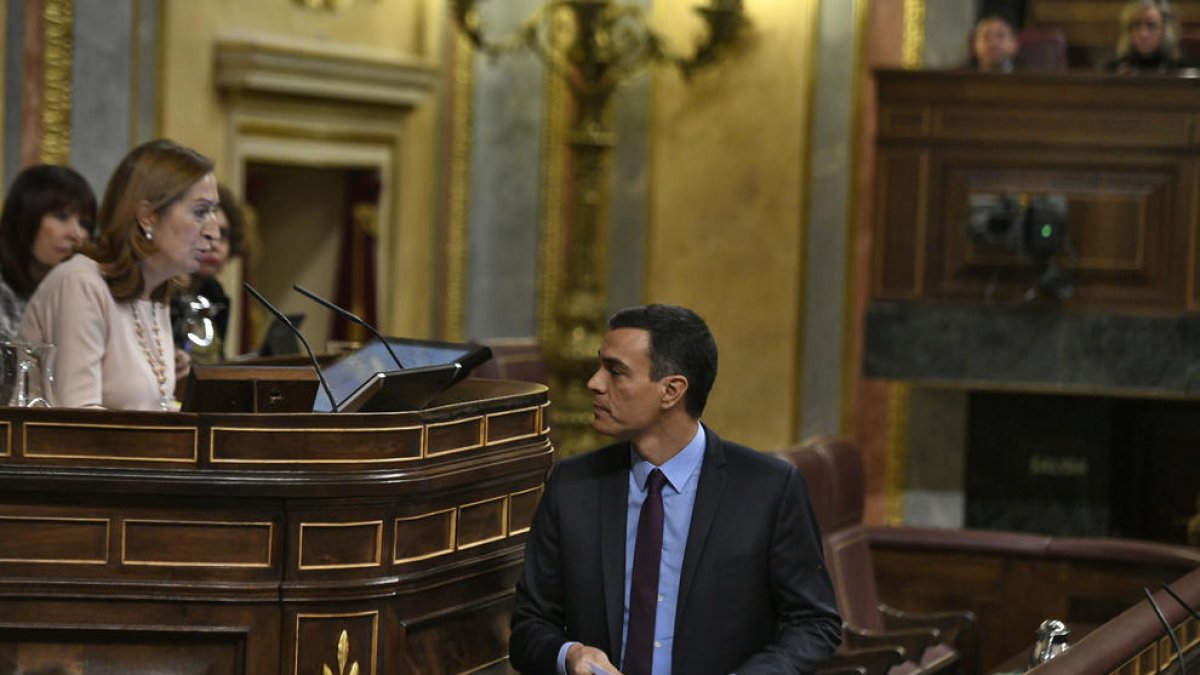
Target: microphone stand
{"type": "Point", "coordinates": [333, 403]}
{"type": "Point", "coordinates": [345, 313]}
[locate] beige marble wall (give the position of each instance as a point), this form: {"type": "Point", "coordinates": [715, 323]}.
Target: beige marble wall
{"type": "Point", "coordinates": [727, 226]}
{"type": "Point", "coordinates": [196, 113]}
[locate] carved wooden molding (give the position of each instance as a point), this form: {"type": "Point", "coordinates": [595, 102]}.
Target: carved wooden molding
{"type": "Point", "coordinates": [347, 75]}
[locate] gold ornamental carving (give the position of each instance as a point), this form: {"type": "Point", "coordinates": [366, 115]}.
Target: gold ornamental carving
{"type": "Point", "coordinates": [458, 203]}
{"type": "Point", "coordinates": [594, 46]}
{"type": "Point", "coordinates": [326, 5]}
{"type": "Point", "coordinates": [913, 49]}
{"type": "Point", "coordinates": [343, 655]}
{"type": "Point", "coordinates": [55, 147]}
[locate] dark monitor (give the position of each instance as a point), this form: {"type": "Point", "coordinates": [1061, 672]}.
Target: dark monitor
{"type": "Point", "coordinates": [280, 339]}
{"type": "Point", "coordinates": [430, 367]}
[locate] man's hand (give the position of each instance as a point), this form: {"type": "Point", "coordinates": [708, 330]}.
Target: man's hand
{"type": "Point", "coordinates": [585, 660]}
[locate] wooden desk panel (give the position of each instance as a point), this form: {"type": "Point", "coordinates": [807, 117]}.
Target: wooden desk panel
{"type": "Point", "coordinates": [1124, 151]}
{"type": "Point", "coordinates": [283, 544]}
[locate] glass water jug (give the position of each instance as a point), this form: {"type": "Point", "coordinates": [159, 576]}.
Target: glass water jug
{"type": "Point", "coordinates": [27, 374]}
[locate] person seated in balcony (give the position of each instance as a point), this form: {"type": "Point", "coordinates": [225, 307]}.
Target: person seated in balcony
{"type": "Point", "coordinates": [200, 315]}
{"type": "Point", "coordinates": [994, 45]}
{"type": "Point", "coordinates": [1149, 41]}
{"type": "Point", "coordinates": [48, 213]}
{"type": "Point", "coordinates": [105, 309]}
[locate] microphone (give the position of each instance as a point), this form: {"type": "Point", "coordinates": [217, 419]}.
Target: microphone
{"type": "Point", "coordinates": [1166, 626]}
{"type": "Point", "coordinates": [1182, 604]}
{"type": "Point", "coordinates": [295, 331]}
{"type": "Point", "coordinates": [345, 313]}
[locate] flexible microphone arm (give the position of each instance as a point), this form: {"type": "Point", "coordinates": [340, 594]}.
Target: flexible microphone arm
{"type": "Point", "coordinates": [333, 402]}
{"type": "Point", "coordinates": [1167, 627]}
{"type": "Point", "coordinates": [351, 316]}
{"type": "Point", "coordinates": [1182, 604]}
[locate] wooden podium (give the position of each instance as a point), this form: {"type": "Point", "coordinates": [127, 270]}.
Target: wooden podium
{"type": "Point", "coordinates": [271, 543]}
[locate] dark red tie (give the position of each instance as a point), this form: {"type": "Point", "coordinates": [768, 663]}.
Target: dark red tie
{"type": "Point", "coordinates": [643, 586]}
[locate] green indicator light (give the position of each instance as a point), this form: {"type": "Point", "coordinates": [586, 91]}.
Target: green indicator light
{"type": "Point", "coordinates": [1047, 230]}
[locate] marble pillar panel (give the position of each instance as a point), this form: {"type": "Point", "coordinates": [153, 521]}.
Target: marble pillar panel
{"type": "Point", "coordinates": [1026, 348]}
{"type": "Point", "coordinates": [948, 26]}
{"type": "Point", "coordinates": [627, 229]}
{"type": "Point", "coordinates": [826, 260]}
{"type": "Point", "coordinates": [504, 187]}
{"type": "Point", "coordinates": [101, 112]}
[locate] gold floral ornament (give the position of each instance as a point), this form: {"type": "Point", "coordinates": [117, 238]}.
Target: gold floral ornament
{"type": "Point", "coordinates": [327, 5]}
{"type": "Point", "coordinates": [343, 655]}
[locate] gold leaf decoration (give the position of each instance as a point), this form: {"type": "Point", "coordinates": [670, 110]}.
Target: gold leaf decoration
{"type": "Point", "coordinates": [343, 655]}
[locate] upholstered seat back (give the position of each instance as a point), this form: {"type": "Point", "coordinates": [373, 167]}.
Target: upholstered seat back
{"type": "Point", "coordinates": [834, 471]}
{"type": "Point", "coordinates": [1043, 48]}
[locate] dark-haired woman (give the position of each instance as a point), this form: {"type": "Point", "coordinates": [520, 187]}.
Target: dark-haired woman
{"type": "Point", "coordinates": [48, 213]}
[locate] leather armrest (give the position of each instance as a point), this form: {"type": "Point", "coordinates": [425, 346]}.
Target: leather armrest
{"type": "Point", "coordinates": [959, 629]}
{"type": "Point", "coordinates": [867, 661]}
{"type": "Point", "coordinates": [914, 641]}
{"type": "Point", "coordinates": [949, 623]}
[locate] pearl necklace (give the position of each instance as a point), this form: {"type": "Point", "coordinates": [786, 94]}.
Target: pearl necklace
{"type": "Point", "coordinates": [155, 357]}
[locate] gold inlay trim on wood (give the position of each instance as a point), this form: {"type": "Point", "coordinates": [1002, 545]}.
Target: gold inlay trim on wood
{"type": "Point", "coordinates": [212, 439]}
{"type": "Point", "coordinates": [6, 451]}
{"type": "Point", "coordinates": [195, 432]}
{"type": "Point", "coordinates": [377, 555]}
{"type": "Point", "coordinates": [62, 561]}
{"type": "Point", "coordinates": [520, 530]}
{"type": "Point", "coordinates": [1160, 655]}
{"type": "Point", "coordinates": [374, 615]}
{"type": "Point", "coordinates": [481, 435]}
{"type": "Point", "coordinates": [537, 424]}
{"type": "Point", "coordinates": [484, 666]}
{"type": "Point", "coordinates": [126, 560]}
{"type": "Point", "coordinates": [447, 549]}
{"type": "Point", "coordinates": [503, 518]}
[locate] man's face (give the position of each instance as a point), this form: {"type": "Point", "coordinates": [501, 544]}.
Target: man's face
{"type": "Point", "coordinates": [625, 400]}
{"type": "Point", "coordinates": [995, 44]}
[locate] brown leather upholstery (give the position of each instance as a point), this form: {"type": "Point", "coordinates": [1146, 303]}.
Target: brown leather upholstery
{"type": "Point", "coordinates": [835, 473]}
{"type": "Point", "coordinates": [1189, 46]}
{"type": "Point", "coordinates": [1043, 48]}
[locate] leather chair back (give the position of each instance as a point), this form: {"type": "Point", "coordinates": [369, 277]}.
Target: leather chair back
{"type": "Point", "coordinates": [835, 473]}
{"type": "Point", "coordinates": [1043, 48]}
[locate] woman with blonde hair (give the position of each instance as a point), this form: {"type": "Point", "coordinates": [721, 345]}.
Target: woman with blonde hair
{"type": "Point", "coordinates": [105, 309]}
{"type": "Point", "coordinates": [1149, 39]}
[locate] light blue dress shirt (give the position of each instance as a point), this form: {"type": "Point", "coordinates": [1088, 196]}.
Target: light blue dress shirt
{"type": "Point", "coordinates": [679, 498]}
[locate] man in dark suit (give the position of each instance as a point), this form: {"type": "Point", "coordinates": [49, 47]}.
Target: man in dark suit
{"type": "Point", "coordinates": [735, 580]}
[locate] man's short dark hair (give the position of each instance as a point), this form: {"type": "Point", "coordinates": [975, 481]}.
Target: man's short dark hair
{"type": "Point", "coordinates": [680, 344]}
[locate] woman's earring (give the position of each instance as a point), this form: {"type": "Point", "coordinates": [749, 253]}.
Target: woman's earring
{"type": "Point", "coordinates": [148, 233]}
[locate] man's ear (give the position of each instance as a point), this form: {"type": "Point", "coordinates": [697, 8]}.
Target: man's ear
{"type": "Point", "coordinates": [674, 389]}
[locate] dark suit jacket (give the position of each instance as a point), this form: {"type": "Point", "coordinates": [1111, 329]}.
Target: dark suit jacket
{"type": "Point", "coordinates": [754, 595]}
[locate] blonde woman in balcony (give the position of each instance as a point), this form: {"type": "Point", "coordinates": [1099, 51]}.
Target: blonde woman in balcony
{"type": "Point", "coordinates": [105, 309]}
{"type": "Point", "coordinates": [1149, 41]}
